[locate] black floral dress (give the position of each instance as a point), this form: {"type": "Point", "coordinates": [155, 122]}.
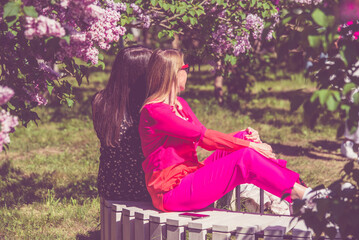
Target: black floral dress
{"type": "Point", "coordinates": [120, 175]}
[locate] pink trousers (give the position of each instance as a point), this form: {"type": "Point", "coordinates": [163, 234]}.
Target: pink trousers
{"type": "Point", "coordinates": [223, 171]}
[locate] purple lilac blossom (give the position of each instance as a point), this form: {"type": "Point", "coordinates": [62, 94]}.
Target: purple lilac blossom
{"type": "Point", "coordinates": [5, 94]}
{"type": "Point", "coordinates": [8, 123]}
{"type": "Point", "coordinates": [255, 24]}
{"type": "Point", "coordinates": [43, 26]}
{"type": "Point", "coordinates": [141, 16]}
{"type": "Point", "coordinates": [87, 24]}
{"type": "Point", "coordinates": [220, 43]}
{"type": "Point", "coordinates": [315, 2]}
{"type": "Point", "coordinates": [242, 45]}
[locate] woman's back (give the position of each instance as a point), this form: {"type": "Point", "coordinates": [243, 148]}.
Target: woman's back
{"type": "Point", "coordinates": [115, 116]}
{"type": "Point", "coordinates": [120, 175]}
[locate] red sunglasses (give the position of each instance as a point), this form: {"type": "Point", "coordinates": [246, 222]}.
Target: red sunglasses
{"type": "Point", "coordinates": [186, 68]}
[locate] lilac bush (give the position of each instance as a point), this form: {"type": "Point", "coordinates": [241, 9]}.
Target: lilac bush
{"type": "Point", "coordinates": [8, 122]}
{"type": "Point", "coordinates": [37, 36]}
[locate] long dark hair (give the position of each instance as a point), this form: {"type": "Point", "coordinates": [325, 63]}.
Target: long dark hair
{"type": "Point", "coordinates": [123, 96]}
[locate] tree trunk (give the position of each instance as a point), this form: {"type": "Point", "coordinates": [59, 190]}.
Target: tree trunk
{"type": "Point", "coordinates": [218, 84]}
{"type": "Point", "coordinates": [176, 42]}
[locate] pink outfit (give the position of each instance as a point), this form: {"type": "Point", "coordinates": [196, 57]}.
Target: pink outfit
{"type": "Point", "coordinates": [222, 172]}
{"type": "Point", "coordinates": [176, 180]}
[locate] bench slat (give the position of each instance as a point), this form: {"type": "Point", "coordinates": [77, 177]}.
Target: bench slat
{"type": "Point", "coordinates": [142, 223]}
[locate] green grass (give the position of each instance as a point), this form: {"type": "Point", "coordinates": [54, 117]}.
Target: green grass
{"type": "Point", "coordinates": [48, 177]}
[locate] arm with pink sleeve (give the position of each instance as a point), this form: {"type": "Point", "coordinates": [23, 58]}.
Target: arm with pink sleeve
{"type": "Point", "coordinates": [213, 140]}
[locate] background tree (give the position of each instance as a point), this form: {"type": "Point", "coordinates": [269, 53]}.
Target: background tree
{"type": "Point", "coordinates": [43, 41]}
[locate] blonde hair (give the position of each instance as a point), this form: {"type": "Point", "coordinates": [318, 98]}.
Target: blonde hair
{"type": "Point", "coordinates": [162, 83]}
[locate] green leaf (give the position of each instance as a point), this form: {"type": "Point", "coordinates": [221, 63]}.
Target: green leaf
{"type": "Point", "coordinates": [345, 108]}
{"type": "Point", "coordinates": [336, 95]}
{"type": "Point", "coordinates": [314, 41]}
{"type": "Point", "coordinates": [67, 39]}
{"type": "Point", "coordinates": [181, 10]}
{"type": "Point", "coordinates": [70, 102]}
{"type": "Point", "coordinates": [11, 20]}
{"type": "Point", "coordinates": [286, 20]}
{"type": "Point", "coordinates": [348, 87]}
{"type": "Point", "coordinates": [253, 2]}
{"type": "Point", "coordinates": [242, 4]}
{"type": "Point", "coordinates": [101, 64]}
{"type": "Point", "coordinates": [230, 59]}
{"type": "Point", "coordinates": [356, 98]}
{"type": "Point", "coordinates": [320, 18]}
{"type": "Point", "coordinates": [331, 103]}
{"type": "Point", "coordinates": [185, 18]}
{"type": "Point", "coordinates": [30, 11]}
{"type": "Point", "coordinates": [342, 54]}
{"type": "Point", "coordinates": [193, 21]}
{"type": "Point", "coordinates": [274, 34]}
{"type": "Point", "coordinates": [323, 95]}
{"type": "Point", "coordinates": [314, 96]}
{"type": "Point", "coordinates": [129, 36]}
{"type": "Point", "coordinates": [100, 56]}
{"type": "Point", "coordinates": [154, 2]}
{"type": "Point", "coordinates": [11, 9]}
{"type": "Point", "coordinates": [161, 34]}
{"type": "Point", "coordinates": [50, 88]}
{"type": "Point", "coordinates": [166, 6]}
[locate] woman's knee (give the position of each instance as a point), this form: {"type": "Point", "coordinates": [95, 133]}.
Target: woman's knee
{"type": "Point", "coordinates": [245, 155]}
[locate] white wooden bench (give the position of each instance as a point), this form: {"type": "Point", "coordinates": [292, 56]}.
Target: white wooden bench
{"type": "Point", "coordinates": [125, 220]}
{"type": "Point", "coordinates": [139, 220]}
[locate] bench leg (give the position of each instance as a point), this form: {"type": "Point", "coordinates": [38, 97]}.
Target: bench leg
{"type": "Point", "coordinates": [158, 231]}
{"type": "Point", "coordinates": [221, 236]}
{"type": "Point", "coordinates": [197, 234]}
{"type": "Point", "coordinates": [142, 229]}
{"type": "Point", "coordinates": [116, 224]}
{"type": "Point", "coordinates": [102, 217]}
{"type": "Point", "coordinates": [175, 232]}
{"type": "Point", "coordinates": [128, 230]}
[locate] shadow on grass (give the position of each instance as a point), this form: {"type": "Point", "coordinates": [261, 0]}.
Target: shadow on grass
{"type": "Point", "coordinates": [326, 145]}
{"type": "Point", "coordinates": [91, 235]}
{"type": "Point", "coordinates": [79, 190]}
{"type": "Point", "coordinates": [286, 95]}
{"type": "Point", "coordinates": [298, 151]}
{"type": "Point", "coordinates": [16, 187]}
{"type": "Point", "coordinates": [258, 114]}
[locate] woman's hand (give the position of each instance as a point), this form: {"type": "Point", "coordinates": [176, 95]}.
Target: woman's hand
{"type": "Point", "coordinates": [252, 135]}
{"type": "Point", "coordinates": [263, 148]}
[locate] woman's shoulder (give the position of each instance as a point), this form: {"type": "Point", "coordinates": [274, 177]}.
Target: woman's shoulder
{"type": "Point", "coordinates": [155, 109]}
{"type": "Point", "coordinates": [183, 102]}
